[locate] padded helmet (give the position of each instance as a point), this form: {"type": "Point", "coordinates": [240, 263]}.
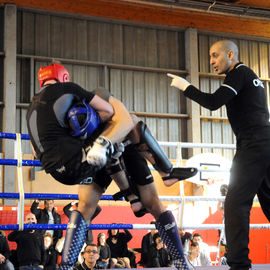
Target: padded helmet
{"type": "Point", "coordinates": [83, 119]}
{"type": "Point", "coordinates": [53, 72]}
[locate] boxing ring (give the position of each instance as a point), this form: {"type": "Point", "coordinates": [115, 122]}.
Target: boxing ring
{"type": "Point", "coordinates": [182, 200]}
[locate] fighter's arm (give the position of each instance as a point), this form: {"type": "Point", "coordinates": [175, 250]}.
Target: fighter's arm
{"type": "Point", "coordinates": [120, 124]}
{"type": "Point", "coordinates": [104, 109]}
{"type": "Point", "coordinates": [117, 129]}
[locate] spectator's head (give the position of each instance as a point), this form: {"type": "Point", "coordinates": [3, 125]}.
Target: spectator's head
{"type": "Point", "coordinates": [194, 249]}
{"type": "Point", "coordinates": [101, 239]}
{"type": "Point", "coordinates": [90, 254]}
{"type": "Point", "coordinates": [49, 204]}
{"type": "Point", "coordinates": [197, 238]}
{"type": "Point", "coordinates": [157, 240]}
{"type": "Point", "coordinates": [113, 232]}
{"type": "Point", "coordinates": [30, 219]}
{"type": "Point", "coordinates": [48, 240]}
{"type": "Point", "coordinates": [181, 232]}
{"type": "Point", "coordinates": [223, 189]}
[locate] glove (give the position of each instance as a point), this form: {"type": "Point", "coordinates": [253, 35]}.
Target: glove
{"type": "Point", "coordinates": [98, 154]}
{"type": "Point", "coordinates": [119, 148]}
{"type": "Point", "coordinates": [178, 82]}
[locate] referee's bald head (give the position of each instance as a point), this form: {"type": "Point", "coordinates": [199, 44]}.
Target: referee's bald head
{"type": "Point", "coordinates": [226, 46]}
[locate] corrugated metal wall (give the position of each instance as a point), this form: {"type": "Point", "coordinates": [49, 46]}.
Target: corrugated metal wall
{"type": "Point", "coordinates": [255, 54]}
{"type": "Point", "coordinates": [131, 60]}
{"type": "Point", "coordinates": [131, 48]}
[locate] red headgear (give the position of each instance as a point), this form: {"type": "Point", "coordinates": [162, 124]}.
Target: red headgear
{"type": "Point", "coordinates": [53, 72]}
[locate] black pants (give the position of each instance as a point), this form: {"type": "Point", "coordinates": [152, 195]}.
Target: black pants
{"type": "Point", "coordinates": [250, 175]}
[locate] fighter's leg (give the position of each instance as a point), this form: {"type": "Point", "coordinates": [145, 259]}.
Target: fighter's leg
{"type": "Point", "coordinates": [140, 174]}
{"type": "Point", "coordinates": [79, 220]}
{"type": "Point", "coordinates": [92, 184]}
{"type": "Point", "coordinates": [117, 171]}
{"type": "Point", "coordinates": [150, 149]}
{"type": "Point", "coordinates": [165, 224]}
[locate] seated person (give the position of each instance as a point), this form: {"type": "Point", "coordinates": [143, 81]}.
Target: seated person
{"type": "Point", "coordinates": [104, 251]}
{"type": "Point", "coordinates": [196, 257]}
{"type": "Point", "coordinates": [50, 253]}
{"type": "Point", "coordinates": [117, 241]}
{"type": "Point", "coordinates": [90, 256]}
{"type": "Point", "coordinates": [204, 248]}
{"type": "Point", "coordinates": [186, 238]}
{"type": "Point", "coordinates": [47, 215]}
{"type": "Point", "coordinates": [158, 256]}
{"type": "Point", "coordinates": [30, 246]}
{"type": "Point", "coordinates": [5, 263]}
{"type": "Point", "coordinates": [147, 242]}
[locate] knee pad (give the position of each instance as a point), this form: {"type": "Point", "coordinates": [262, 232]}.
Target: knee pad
{"type": "Point", "coordinates": [150, 144]}
{"type": "Point", "coordinates": [75, 238]}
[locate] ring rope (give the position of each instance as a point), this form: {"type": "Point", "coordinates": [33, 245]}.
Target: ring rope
{"type": "Point", "coordinates": [51, 196]}
{"type": "Point", "coordinates": [4, 135]}
{"type": "Point", "coordinates": [54, 196]}
{"type": "Point", "coordinates": [123, 226]}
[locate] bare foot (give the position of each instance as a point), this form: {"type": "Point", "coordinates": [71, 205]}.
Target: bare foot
{"type": "Point", "coordinates": [170, 182]}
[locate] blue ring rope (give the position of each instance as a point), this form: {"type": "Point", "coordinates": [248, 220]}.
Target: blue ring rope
{"type": "Point", "coordinates": [11, 227]}
{"type": "Point", "coordinates": [50, 196]}
{"type": "Point", "coordinates": [4, 135]}
{"type": "Point", "coordinates": [25, 162]}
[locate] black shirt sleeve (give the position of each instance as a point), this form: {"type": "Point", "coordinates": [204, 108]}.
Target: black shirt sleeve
{"type": "Point", "coordinates": [210, 101]}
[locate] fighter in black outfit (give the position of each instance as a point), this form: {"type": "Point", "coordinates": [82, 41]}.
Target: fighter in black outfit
{"type": "Point", "coordinates": [71, 160]}
{"type": "Point", "coordinates": [243, 94]}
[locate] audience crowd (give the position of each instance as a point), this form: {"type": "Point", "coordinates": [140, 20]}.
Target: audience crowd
{"type": "Point", "coordinates": [38, 249]}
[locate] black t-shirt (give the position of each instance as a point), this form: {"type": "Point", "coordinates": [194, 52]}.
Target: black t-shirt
{"type": "Point", "coordinates": [48, 127]}
{"type": "Point", "coordinates": [244, 96]}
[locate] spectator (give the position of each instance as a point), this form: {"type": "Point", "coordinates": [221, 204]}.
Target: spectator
{"type": "Point", "coordinates": [74, 206]}
{"type": "Point", "coordinates": [90, 256]}
{"type": "Point", "coordinates": [204, 248]}
{"type": "Point", "coordinates": [196, 257]}
{"type": "Point", "coordinates": [104, 251]}
{"type": "Point", "coordinates": [158, 255]}
{"type": "Point", "coordinates": [50, 252]}
{"type": "Point", "coordinates": [48, 215]}
{"type": "Point", "coordinates": [222, 245]}
{"type": "Point", "coordinates": [30, 246]}
{"type": "Point", "coordinates": [118, 244]}
{"type": "Point", "coordinates": [186, 238]}
{"type": "Point", "coordinates": [5, 264]}
{"type": "Point", "coordinates": [147, 242]}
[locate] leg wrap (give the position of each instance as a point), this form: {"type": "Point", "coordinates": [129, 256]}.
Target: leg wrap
{"type": "Point", "coordinates": [150, 144]}
{"type": "Point", "coordinates": [75, 238]}
{"type": "Point", "coordinates": [114, 168]}
{"type": "Point", "coordinates": [168, 231]}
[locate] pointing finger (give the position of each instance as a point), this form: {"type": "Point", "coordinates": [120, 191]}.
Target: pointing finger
{"type": "Point", "coordinates": [171, 75]}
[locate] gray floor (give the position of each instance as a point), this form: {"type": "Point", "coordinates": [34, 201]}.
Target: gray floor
{"type": "Point", "coordinates": [225, 267]}
{"type": "Point", "coordinates": [220, 267]}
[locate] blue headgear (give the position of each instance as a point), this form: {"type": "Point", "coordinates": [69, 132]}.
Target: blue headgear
{"type": "Point", "coordinates": [83, 119]}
